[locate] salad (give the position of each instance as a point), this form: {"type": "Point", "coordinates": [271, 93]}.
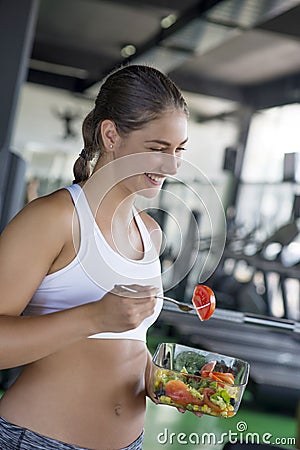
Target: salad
{"type": "Point", "coordinates": [210, 389]}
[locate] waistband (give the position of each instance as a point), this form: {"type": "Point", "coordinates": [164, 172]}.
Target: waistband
{"type": "Point", "coordinates": [13, 437]}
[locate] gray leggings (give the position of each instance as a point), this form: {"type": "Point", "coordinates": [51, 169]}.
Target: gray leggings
{"type": "Point", "coordinates": [13, 437]}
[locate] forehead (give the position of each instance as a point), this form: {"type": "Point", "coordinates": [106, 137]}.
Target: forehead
{"type": "Point", "coordinates": [170, 126]}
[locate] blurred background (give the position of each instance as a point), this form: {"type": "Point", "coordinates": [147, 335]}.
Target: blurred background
{"type": "Point", "coordinates": [238, 65]}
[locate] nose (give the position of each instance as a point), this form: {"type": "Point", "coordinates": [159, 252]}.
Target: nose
{"type": "Point", "coordinates": [170, 164]}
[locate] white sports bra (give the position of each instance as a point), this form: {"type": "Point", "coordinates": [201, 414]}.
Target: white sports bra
{"type": "Point", "coordinates": [95, 270]}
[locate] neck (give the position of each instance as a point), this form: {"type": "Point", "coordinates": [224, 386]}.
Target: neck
{"type": "Point", "coordinates": [106, 195]}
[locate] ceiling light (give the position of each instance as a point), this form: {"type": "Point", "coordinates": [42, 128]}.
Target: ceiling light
{"type": "Point", "coordinates": [128, 50]}
{"type": "Point", "coordinates": [167, 21]}
{"type": "Point", "coordinates": [45, 66]}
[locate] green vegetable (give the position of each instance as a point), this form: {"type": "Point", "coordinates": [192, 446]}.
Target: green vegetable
{"type": "Point", "coordinates": [221, 398]}
{"type": "Point", "coordinates": [194, 383]}
{"type": "Point", "coordinates": [195, 393]}
{"type": "Point", "coordinates": [224, 394]}
{"type": "Point", "coordinates": [207, 383]}
{"type": "Point", "coordinates": [190, 360]}
{"type": "Point", "coordinates": [218, 400]}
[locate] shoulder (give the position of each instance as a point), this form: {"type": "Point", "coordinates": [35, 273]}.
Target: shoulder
{"type": "Point", "coordinates": [57, 206]}
{"type": "Point", "coordinates": [153, 229]}
{"type": "Point", "coordinates": [52, 212]}
{"type": "Point", "coordinates": [29, 244]}
{"type": "Point", "coordinates": [57, 199]}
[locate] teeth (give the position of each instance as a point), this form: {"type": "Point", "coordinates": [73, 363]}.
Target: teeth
{"type": "Point", "coordinates": [154, 177]}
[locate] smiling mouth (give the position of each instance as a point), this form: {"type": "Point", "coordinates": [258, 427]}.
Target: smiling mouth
{"type": "Point", "coordinates": [155, 179]}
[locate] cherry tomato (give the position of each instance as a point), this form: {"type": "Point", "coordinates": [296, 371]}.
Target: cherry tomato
{"type": "Point", "coordinates": [204, 301]}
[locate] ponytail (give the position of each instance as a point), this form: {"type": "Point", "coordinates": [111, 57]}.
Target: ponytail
{"type": "Point", "coordinates": [82, 166]}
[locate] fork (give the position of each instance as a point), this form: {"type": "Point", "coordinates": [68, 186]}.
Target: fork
{"type": "Point", "coordinates": [182, 306]}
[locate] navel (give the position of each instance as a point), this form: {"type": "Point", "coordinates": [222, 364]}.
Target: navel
{"type": "Point", "coordinates": [118, 410]}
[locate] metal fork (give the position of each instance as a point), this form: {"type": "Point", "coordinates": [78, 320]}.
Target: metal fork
{"type": "Point", "coordinates": [182, 306]}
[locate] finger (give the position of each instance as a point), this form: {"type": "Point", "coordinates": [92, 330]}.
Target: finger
{"type": "Point", "coordinates": [142, 305]}
{"type": "Point", "coordinates": [124, 291]}
{"type": "Point", "coordinates": [132, 291]}
{"type": "Point", "coordinates": [181, 410]}
{"type": "Point", "coordinates": [145, 311]}
{"type": "Point", "coordinates": [137, 288]}
{"type": "Point", "coordinates": [131, 287]}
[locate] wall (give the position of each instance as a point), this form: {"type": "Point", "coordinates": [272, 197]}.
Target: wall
{"type": "Point", "coordinates": [39, 135]}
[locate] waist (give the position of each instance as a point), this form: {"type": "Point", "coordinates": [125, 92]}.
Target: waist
{"type": "Point", "coordinates": [78, 394]}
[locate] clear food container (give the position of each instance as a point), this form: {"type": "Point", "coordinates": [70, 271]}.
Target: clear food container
{"type": "Point", "coordinates": [197, 380]}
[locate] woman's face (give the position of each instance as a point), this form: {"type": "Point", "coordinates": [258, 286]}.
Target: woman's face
{"type": "Point", "coordinates": [162, 143]}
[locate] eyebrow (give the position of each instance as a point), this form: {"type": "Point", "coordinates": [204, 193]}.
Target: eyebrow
{"type": "Point", "coordinates": [159, 141]}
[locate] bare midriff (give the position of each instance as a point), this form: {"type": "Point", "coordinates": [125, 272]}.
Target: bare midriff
{"type": "Point", "coordinates": [90, 394]}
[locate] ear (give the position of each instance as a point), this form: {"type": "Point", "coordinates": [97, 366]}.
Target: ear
{"type": "Point", "coordinates": [109, 134]}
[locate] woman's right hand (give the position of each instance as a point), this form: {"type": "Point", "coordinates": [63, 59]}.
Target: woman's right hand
{"type": "Point", "coordinates": [124, 308]}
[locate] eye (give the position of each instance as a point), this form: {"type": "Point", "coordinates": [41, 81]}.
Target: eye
{"type": "Point", "coordinates": [181, 149]}
{"type": "Point", "coordinates": [157, 149]}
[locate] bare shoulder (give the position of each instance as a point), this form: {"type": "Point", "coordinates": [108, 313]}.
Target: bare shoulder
{"type": "Point", "coordinates": [50, 211]}
{"type": "Point", "coordinates": [29, 245]}
{"type": "Point", "coordinates": [153, 228]}
{"type": "Point", "coordinates": [58, 201]}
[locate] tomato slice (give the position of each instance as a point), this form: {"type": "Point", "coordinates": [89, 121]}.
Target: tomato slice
{"type": "Point", "coordinates": [208, 368]}
{"type": "Point", "coordinates": [225, 377]}
{"type": "Point", "coordinates": [178, 392]}
{"type": "Point", "coordinates": [207, 393]}
{"type": "Point", "coordinates": [204, 301]}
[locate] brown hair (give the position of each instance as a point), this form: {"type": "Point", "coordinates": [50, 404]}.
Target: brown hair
{"type": "Point", "coordinates": [131, 97]}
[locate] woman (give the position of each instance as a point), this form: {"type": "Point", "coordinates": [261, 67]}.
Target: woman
{"type": "Point", "coordinates": [82, 266]}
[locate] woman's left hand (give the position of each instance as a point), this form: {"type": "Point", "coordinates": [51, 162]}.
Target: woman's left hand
{"type": "Point", "coordinates": [149, 388]}
{"type": "Point", "coordinates": [197, 413]}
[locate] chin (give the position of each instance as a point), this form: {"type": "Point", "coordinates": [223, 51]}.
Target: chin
{"type": "Point", "coordinates": [149, 193]}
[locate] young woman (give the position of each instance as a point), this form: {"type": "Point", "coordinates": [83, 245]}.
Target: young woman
{"type": "Point", "coordinates": [80, 276]}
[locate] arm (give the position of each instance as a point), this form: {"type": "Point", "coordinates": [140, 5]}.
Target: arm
{"type": "Point", "coordinates": [28, 247]}
{"type": "Point", "coordinates": [27, 339]}
{"type": "Point", "coordinates": [156, 237]}
{"type": "Point", "coordinates": [149, 379]}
